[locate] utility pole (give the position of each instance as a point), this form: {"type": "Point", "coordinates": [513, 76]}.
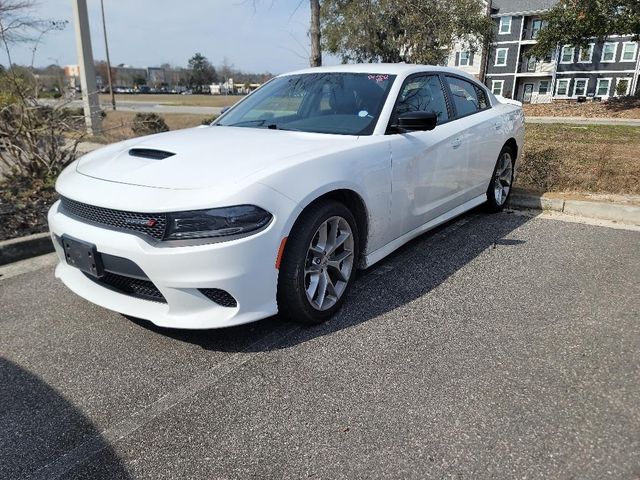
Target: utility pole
{"type": "Point", "coordinates": [314, 32]}
{"type": "Point", "coordinates": [87, 69]}
{"type": "Point", "coordinates": [486, 47]}
{"type": "Point", "coordinates": [106, 47]}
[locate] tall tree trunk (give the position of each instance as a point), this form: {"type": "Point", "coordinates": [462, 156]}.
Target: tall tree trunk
{"type": "Point", "coordinates": [314, 31]}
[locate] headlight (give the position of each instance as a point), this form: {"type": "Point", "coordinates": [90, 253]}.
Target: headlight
{"type": "Point", "coordinates": [216, 222]}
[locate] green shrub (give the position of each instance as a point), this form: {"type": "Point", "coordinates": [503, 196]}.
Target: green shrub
{"type": "Point", "coordinates": [148, 124]}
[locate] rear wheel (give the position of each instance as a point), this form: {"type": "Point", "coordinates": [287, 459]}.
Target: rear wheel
{"type": "Point", "coordinates": [318, 265]}
{"type": "Point", "coordinates": [501, 181]}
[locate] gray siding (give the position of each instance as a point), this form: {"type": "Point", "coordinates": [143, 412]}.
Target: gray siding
{"type": "Point", "coordinates": [516, 23]}
{"type": "Point", "coordinates": [592, 81]}
{"type": "Point", "coordinates": [512, 59]}
{"type": "Point", "coordinates": [596, 63]}
{"type": "Point", "coordinates": [507, 91]}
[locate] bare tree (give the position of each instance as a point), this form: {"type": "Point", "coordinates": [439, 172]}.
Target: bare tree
{"type": "Point", "coordinates": [36, 141]}
{"type": "Point", "coordinates": [314, 32]}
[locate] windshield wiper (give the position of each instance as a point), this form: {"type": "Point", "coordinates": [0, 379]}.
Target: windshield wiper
{"type": "Point", "coordinates": [274, 126]}
{"type": "Point", "coordinates": [258, 122]}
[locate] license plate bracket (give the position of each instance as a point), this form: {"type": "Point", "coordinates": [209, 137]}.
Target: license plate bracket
{"type": "Point", "coordinates": [83, 255]}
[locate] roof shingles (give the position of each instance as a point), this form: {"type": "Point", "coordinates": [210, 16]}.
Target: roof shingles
{"type": "Point", "coordinates": [506, 7]}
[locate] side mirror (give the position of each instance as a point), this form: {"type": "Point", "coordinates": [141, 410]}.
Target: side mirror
{"type": "Point", "coordinates": [416, 121]}
{"type": "Point", "coordinates": [224, 109]}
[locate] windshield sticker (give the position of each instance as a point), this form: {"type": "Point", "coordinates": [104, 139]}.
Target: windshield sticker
{"type": "Point", "coordinates": [378, 78]}
{"type": "Point", "coordinates": [363, 113]}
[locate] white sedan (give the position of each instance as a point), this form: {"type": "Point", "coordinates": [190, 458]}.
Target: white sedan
{"type": "Point", "coordinates": [274, 206]}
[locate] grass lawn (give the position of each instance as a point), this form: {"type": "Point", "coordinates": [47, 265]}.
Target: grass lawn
{"type": "Point", "coordinates": [576, 158]}
{"type": "Point", "coordinates": [182, 100]}
{"type": "Point", "coordinates": [117, 125]}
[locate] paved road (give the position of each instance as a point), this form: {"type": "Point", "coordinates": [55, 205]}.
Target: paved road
{"type": "Point", "coordinates": [499, 346]}
{"type": "Point", "coordinates": [140, 106]}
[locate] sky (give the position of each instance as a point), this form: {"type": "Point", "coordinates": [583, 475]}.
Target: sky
{"type": "Point", "coordinates": [254, 35]}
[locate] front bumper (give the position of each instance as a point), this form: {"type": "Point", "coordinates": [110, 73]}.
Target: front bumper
{"type": "Point", "coordinates": [245, 268]}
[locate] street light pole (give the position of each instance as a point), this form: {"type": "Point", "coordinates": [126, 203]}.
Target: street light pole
{"type": "Point", "coordinates": [87, 69]}
{"type": "Point", "coordinates": [106, 47]}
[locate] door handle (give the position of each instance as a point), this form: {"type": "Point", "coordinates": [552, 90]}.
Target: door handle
{"type": "Point", "coordinates": [456, 143]}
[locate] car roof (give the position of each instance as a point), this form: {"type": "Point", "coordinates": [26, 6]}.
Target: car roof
{"type": "Point", "coordinates": [401, 69]}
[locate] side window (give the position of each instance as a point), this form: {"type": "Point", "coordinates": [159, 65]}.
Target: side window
{"type": "Point", "coordinates": [423, 93]}
{"type": "Point", "coordinates": [467, 97]}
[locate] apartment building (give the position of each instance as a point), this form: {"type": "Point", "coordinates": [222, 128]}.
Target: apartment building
{"type": "Point", "coordinates": [601, 70]}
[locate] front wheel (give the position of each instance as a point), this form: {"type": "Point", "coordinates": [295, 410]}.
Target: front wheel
{"type": "Point", "coordinates": [501, 181]}
{"type": "Point", "coordinates": [319, 263]}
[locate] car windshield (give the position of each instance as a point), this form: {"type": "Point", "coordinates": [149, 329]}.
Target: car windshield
{"type": "Point", "coordinates": [339, 103]}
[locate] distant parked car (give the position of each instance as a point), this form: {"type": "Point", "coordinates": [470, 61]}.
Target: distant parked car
{"type": "Point", "coordinates": [274, 206]}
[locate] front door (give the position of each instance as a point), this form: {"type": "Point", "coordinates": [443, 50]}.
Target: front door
{"type": "Point", "coordinates": [427, 169]}
{"type": "Point", "coordinates": [528, 91]}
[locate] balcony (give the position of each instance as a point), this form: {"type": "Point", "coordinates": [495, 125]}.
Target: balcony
{"type": "Point", "coordinates": [534, 67]}
{"type": "Point", "coordinates": [530, 35]}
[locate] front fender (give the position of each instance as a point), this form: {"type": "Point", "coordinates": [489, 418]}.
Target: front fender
{"type": "Point", "coordinates": [364, 169]}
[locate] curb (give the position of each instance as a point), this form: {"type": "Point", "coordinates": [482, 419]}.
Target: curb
{"type": "Point", "coordinates": [25, 247]}
{"type": "Point", "coordinates": [615, 212]}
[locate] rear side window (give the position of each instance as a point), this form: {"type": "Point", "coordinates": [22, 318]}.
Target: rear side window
{"type": "Point", "coordinates": [423, 93]}
{"type": "Point", "coordinates": [467, 97]}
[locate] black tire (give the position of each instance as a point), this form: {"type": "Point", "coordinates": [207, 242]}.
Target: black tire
{"type": "Point", "coordinates": [495, 204]}
{"type": "Point", "coordinates": [293, 303]}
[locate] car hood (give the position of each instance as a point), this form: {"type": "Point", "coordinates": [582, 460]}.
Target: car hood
{"type": "Point", "coordinates": [204, 157]}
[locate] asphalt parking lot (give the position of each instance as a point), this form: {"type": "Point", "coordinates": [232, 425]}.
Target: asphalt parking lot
{"type": "Point", "coordinates": [500, 346]}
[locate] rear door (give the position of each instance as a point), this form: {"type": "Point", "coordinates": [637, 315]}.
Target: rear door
{"type": "Point", "coordinates": [426, 167]}
{"type": "Point", "coordinates": [478, 133]}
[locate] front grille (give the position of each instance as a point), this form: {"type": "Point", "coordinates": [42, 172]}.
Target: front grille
{"type": "Point", "coordinates": [151, 224]}
{"type": "Point", "coordinates": [133, 287]}
{"type": "Point", "coordinates": [220, 297]}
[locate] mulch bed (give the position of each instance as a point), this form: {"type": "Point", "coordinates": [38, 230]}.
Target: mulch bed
{"type": "Point", "coordinates": [23, 208]}
{"type": "Point", "coordinates": [623, 107]}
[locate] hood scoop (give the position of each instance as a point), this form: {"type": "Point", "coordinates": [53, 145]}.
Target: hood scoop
{"type": "Point", "coordinates": [150, 153]}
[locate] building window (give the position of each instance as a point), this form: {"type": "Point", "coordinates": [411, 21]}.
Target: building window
{"type": "Point", "coordinates": [566, 56]}
{"type": "Point", "coordinates": [505, 25]}
{"type": "Point", "coordinates": [497, 86]}
{"type": "Point", "coordinates": [580, 87]}
{"type": "Point", "coordinates": [543, 87]}
{"type": "Point", "coordinates": [602, 87]}
{"type": "Point", "coordinates": [586, 54]}
{"type": "Point", "coordinates": [536, 26]}
{"type": "Point", "coordinates": [562, 88]}
{"type": "Point", "coordinates": [501, 57]}
{"type": "Point", "coordinates": [609, 51]}
{"type": "Point", "coordinates": [629, 51]}
{"type": "Point", "coordinates": [464, 59]}
{"type": "Point", "coordinates": [623, 85]}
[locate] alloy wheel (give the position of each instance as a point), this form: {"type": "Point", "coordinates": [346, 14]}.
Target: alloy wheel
{"type": "Point", "coordinates": [329, 263]}
{"type": "Point", "coordinates": [503, 178]}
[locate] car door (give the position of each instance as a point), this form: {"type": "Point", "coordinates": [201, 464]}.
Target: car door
{"type": "Point", "coordinates": [426, 165]}
{"type": "Point", "coordinates": [478, 130]}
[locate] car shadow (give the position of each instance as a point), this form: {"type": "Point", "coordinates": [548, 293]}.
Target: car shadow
{"type": "Point", "coordinates": [39, 426]}
{"type": "Point", "coordinates": [410, 272]}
